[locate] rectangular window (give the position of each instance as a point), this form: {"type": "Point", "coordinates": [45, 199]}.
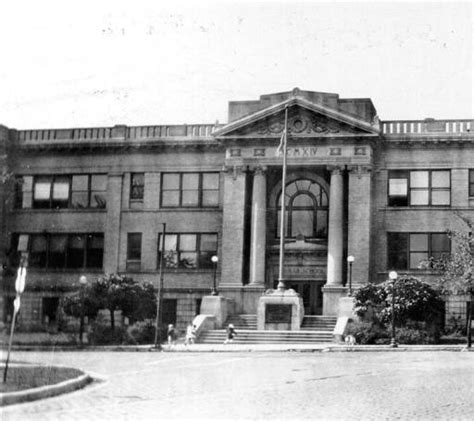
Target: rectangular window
{"type": "Point", "coordinates": [98, 191]}
{"type": "Point", "coordinates": [471, 183]}
{"type": "Point", "coordinates": [62, 191]}
{"type": "Point", "coordinates": [23, 191]}
{"type": "Point", "coordinates": [419, 188]}
{"type": "Point", "coordinates": [50, 307]}
{"type": "Point", "coordinates": [57, 251]}
{"type": "Point", "coordinates": [62, 251]}
{"type": "Point", "coordinates": [188, 251]}
{"type": "Point", "coordinates": [76, 251]}
{"type": "Point", "coordinates": [398, 188]}
{"type": "Point", "coordinates": [38, 251]}
{"type": "Point", "coordinates": [409, 250]}
{"type": "Point", "coordinates": [134, 251]}
{"type": "Point", "coordinates": [190, 190]}
{"type": "Point", "coordinates": [137, 187]}
{"type": "Point", "coordinates": [94, 250]}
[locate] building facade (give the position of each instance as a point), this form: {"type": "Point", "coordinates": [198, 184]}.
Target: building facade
{"type": "Point", "coordinates": [85, 201]}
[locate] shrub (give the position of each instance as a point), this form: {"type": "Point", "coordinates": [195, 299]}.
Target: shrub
{"type": "Point", "coordinates": [414, 300]}
{"type": "Point", "coordinates": [102, 334]}
{"type": "Point", "coordinates": [411, 336]}
{"type": "Point", "coordinates": [142, 332]}
{"type": "Point", "coordinates": [367, 333]}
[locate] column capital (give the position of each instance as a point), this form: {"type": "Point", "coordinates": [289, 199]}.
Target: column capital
{"type": "Point", "coordinates": [235, 170]}
{"type": "Point", "coordinates": [359, 169]}
{"type": "Point", "coordinates": [335, 169]}
{"type": "Point", "coordinates": [259, 169]}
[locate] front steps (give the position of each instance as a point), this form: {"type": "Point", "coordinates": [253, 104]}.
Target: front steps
{"type": "Point", "coordinates": [315, 329]}
{"type": "Point", "coordinates": [242, 321]}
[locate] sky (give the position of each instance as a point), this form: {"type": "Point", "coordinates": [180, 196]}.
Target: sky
{"type": "Point", "coordinates": [100, 63]}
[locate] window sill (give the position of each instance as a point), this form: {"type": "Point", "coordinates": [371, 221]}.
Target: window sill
{"type": "Point", "coordinates": [64, 270]}
{"type": "Point", "coordinates": [422, 207]}
{"type": "Point", "coordinates": [63, 210]}
{"type": "Point", "coordinates": [172, 271]}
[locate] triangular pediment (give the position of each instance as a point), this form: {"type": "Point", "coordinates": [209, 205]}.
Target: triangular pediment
{"type": "Point", "coordinates": [305, 119]}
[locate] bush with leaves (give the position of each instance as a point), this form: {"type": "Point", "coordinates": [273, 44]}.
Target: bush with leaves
{"type": "Point", "coordinates": [457, 269]}
{"type": "Point", "coordinates": [136, 301]}
{"type": "Point", "coordinates": [368, 333]}
{"type": "Point", "coordinates": [143, 332]}
{"type": "Point", "coordinates": [103, 334]}
{"type": "Point", "coordinates": [413, 300]}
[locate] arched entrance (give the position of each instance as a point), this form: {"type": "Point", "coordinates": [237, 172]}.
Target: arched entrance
{"type": "Point", "coordinates": [306, 230]}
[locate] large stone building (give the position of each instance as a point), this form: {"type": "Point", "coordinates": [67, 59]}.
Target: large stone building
{"type": "Point", "coordinates": [85, 201]}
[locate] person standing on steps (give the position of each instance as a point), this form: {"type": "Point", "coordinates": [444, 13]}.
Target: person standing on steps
{"type": "Point", "coordinates": [190, 335]}
{"type": "Point", "coordinates": [231, 333]}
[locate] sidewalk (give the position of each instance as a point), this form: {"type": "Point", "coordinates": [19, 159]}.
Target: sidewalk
{"type": "Point", "coordinates": [326, 347]}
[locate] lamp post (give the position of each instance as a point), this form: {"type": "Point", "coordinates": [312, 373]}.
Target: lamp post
{"type": "Point", "coordinates": [160, 291]}
{"type": "Point", "coordinates": [83, 284]}
{"type": "Point", "coordinates": [214, 260]}
{"type": "Point", "coordinates": [393, 277]}
{"type": "Point", "coordinates": [350, 260]}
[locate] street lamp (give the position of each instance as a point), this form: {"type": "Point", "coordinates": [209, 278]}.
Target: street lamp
{"type": "Point", "coordinates": [393, 277]}
{"type": "Point", "coordinates": [350, 260]}
{"type": "Point", "coordinates": [214, 260]}
{"type": "Point", "coordinates": [159, 292]}
{"type": "Point", "coordinates": [83, 284]}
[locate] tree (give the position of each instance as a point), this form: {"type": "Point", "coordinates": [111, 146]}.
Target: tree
{"type": "Point", "coordinates": [82, 303]}
{"type": "Point", "coordinates": [112, 292]}
{"type": "Point", "coordinates": [457, 270]}
{"type": "Point", "coordinates": [414, 300]}
{"type": "Point", "coordinates": [136, 301]}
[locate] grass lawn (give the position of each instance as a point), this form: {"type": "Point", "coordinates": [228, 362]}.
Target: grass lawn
{"type": "Point", "coordinates": [27, 377]}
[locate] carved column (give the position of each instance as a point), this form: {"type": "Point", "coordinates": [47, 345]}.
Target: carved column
{"type": "Point", "coordinates": [333, 290]}
{"type": "Point", "coordinates": [335, 240]}
{"type": "Point", "coordinates": [258, 227]}
{"type": "Point", "coordinates": [233, 227]}
{"type": "Point", "coordinates": [359, 219]}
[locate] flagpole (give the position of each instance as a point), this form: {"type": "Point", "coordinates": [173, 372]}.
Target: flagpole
{"type": "Point", "coordinates": [281, 282]}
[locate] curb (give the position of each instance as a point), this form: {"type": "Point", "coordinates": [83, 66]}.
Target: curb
{"type": "Point", "coordinates": [249, 348]}
{"type": "Point", "coordinates": [44, 392]}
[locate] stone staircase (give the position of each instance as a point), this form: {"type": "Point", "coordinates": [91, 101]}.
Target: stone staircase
{"type": "Point", "coordinates": [315, 329]}
{"type": "Point", "coordinates": [243, 321]}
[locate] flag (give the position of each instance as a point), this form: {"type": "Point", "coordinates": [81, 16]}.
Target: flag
{"type": "Point", "coordinates": [282, 143]}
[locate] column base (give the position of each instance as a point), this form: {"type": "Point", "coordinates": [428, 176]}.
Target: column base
{"type": "Point", "coordinates": [331, 296]}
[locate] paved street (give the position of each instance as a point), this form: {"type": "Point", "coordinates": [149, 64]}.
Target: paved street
{"type": "Point", "coordinates": [270, 385]}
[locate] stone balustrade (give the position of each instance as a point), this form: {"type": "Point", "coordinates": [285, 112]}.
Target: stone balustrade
{"type": "Point", "coordinates": [202, 131]}
{"type": "Point", "coordinates": [120, 132]}
{"type": "Point", "coordinates": [427, 126]}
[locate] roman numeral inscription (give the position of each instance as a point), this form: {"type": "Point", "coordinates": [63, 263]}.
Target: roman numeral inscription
{"type": "Point", "coordinates": [302, 152]}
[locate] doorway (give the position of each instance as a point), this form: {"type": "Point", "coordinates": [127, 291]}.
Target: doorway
{"type": "Point", "coordinates": [311, 294]}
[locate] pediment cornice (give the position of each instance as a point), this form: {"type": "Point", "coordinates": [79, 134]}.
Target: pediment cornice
{"type": "Point", "coordinates": [306, 119]}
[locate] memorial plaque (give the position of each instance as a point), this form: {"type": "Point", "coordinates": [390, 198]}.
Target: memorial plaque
{"type": "Point", "coordinates": [278, 313]}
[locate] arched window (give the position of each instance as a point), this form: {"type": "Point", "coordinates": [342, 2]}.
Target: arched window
{"type": "Point", "coordinates": [306, 205]}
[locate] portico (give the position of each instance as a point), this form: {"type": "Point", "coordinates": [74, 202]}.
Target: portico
{"type": "Point", "coordinates": [327, 199]}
